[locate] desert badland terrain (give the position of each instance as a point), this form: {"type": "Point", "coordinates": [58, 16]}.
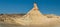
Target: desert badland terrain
{"type": "Point", "coordinates": [34, 18]}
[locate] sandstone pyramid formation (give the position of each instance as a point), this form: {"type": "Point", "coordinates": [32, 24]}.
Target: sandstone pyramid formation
{"type": "Point", "coordinates": [34, 15]}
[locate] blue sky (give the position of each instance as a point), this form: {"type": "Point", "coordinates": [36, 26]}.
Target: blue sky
{"type": "Point", "coordinates": [23, 6]}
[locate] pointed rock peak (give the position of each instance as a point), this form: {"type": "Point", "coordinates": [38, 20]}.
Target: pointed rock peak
{"type": "Point", "coordinates": [34, 11]}
{"type": "Point", "coordinates": [35, 6]}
